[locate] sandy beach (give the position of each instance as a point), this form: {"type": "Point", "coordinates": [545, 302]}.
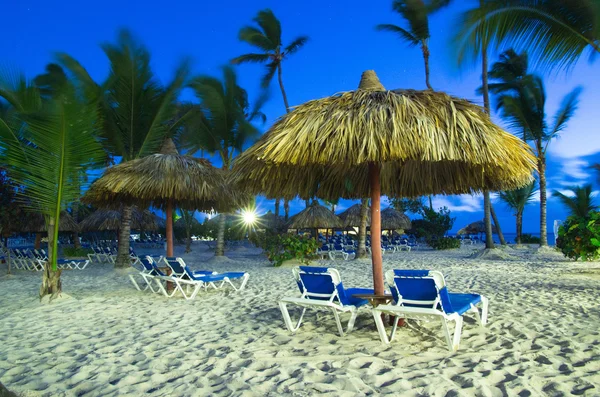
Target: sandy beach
{"type": "Point", "coordinates": [110, 339]}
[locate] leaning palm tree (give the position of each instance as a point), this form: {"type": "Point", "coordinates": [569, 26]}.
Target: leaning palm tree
{"type": "Point", "coordinates": [522, 101]}
{"type": "Point", "coordinates": [555, 32]}
{"type": "Point", "coordinates": [137, 111]}
{"type": "Point", "coordinates": [580, 203]}
{"type": "Point", "coordinates": [267, 39]}
{"type": "Point", "coordinates": [416, 13]}
{"type": "Point", "coordinates": [222, 125]}
{"type": "Point", "coordinates": [47, 139]}
{"type": "Point", "coordinates": [517, 200]}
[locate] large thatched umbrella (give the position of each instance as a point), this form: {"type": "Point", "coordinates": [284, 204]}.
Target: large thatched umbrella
{"type": "Point", "coordinates": [163, 180]}
{"type": "Point", "coordinates": [392, 219]}
{"type": "Point", "coordinates": [34, 222]}
{"type": "Point", "coordinates": [351, 217]}
{"type": "Point", "coordinates": [370, 142]}
{"type": "Point", "coordinates": [315, 216]}
{"type": "Point", "coordinates": [476, 228]}
{"type": "Point", "coordinates": [107, 219]}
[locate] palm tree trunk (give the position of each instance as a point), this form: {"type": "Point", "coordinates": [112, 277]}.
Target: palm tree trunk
{"type": "Point", "coordinates": [277, 201]}
{"type": "Point", "coordinates": [124, 232]}
{"type": "Point", "coordinates": [169, 229]}
{"type": "Point", "coordinates": [543, 197]}
{"type": "Point", "coordinates": [430, 203]}
{"type": "Point", "coordinates": [75, 215]}
{"type": "Point", "coordinates": [487, 204]}
{"type": "Point", "coordinates": [38, 241]}
{"type": "Point", "coordinates": [519, 226]}
{"type": "Point", "coordinates": [286, 208]}
{"type": "Point", "coordinates": [498, 229]}
{"type": "Point", "coordinates": [362, 229]}
{"type": "Point", "coordinates": [188, 234]}
{"type": "Point", "coordinates": [307, 202]}
{"type": "Point", "coordinates": [51, 283]}
{"type": "Point", "coordinates": [425, 49]}
{"type": "Point", "coordinates": [220, 251]}
{"type": "Point", "coordinates": [283, 94]}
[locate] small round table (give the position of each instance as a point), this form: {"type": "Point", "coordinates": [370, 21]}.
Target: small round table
{"type": "Point", "coordinates": [376, 300]}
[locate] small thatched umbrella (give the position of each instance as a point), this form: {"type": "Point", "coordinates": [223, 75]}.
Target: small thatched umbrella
{"type": "Point", "coordinates": [371, 141]}
{"type": "Point", "coordinates": [106, 219]}
{"type": "Point", "coordinates": [163, 180]}
{"type": "Point", "coordinates": [392, 219]}
{"type": "Point", "coordinates": [315, 216]}
{"type": "Point", "coordinates": [34, 222]}
{"type": "Point", "coordinates": [270, 221]}
{"type": "Point", "coordinates": [476, 228]}
{"type": "Point", "coordinates": [351, 217]}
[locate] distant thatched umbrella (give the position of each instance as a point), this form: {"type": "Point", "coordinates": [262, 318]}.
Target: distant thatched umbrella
{"type": "Point", "coordinates": [476, 228]}
{"type": "Point", "coordinates": [392, 219]}
{"type": "Point", "coordinates": [351, 217]}
{"type": "Point", "coordinates": [105, 219]}
{"type": "Point", "coordinates": [270, 221]}
{"type": "Point", "coordinates": [313, 217]}
{"type": "Point", "coordinates": [371, 142]}
{"type": "Point", "coordinates": [180, 223]}
{"type": "Point", "coordinates": [36, 223]}
{"type": "Point", "coordinates": [163, 180]}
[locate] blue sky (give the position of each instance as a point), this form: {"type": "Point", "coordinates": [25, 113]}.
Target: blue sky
{"type": "Point", "coordinates": [343, 43]}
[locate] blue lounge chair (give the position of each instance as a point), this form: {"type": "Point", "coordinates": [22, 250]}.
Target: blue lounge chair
{"type": "Point", "coordinates": [150, 273]}
{"type": "Point", "coordinates": [322, 288]}
{"type": "Point", "coordinates": [422, 295]}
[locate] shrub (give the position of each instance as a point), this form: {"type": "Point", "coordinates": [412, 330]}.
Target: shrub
{"type": "Point", "coordinates": [76, 252]}
{"type": "Point", "coordinates": [579, 238]}
{"type": "Point", "coordinates": [280, 248]}
{"type": "Point", "coordinates": [434, 225]}
{"type": "Point", "coordinates": [444, 243]}
{"type": "Point", "coordinates": [529, 239]}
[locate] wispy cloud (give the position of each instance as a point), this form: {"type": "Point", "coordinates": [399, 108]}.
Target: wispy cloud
{"type": "Point", "coordinates": [462, 203]}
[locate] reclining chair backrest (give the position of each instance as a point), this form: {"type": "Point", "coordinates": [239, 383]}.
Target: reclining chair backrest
{"type": "Point", "coordinates": [320, 283]}
{"type": "Point", "coordinates": [420, 288]}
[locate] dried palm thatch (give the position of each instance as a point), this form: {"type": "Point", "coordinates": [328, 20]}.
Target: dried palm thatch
{"type": "Point", "coordinates": [271, 221]}
{"type": "Point", "coordinates": [36, 223]}
{"type": "Point", "coordinates": [315, 216]}
{"type": "Point", "coordinates": [392, 219]}
{"type": "Point", "coordinates": [475, 228]}
{"type": "Point", "coordinates": [188, 182]}
{"type": "Point", "coordinates": [351, 217]}
{"type": "Point", "coordinates": [104, 219]}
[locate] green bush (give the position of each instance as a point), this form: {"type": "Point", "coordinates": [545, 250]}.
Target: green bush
{"type": "Point", "coordinates": [579, 238]}
{"type": "Point", "coordinates": [280, 248]}
{"type": "Point", "coordinates": [444, 243]}
{"type": "Point", "coordinates": [529, 239]}
{"type": "Point", "coordinates": [434, 225]}
{"type": "Point", "coordinates": [76, 252]}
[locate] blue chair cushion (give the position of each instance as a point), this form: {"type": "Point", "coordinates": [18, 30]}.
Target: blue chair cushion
{"type": "Point", "coordinates": [461, 303]}
{"type": "Point", "coordinates": [350, 300]}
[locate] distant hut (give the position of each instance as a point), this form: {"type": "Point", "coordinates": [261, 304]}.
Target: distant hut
{"type": "Point", "coordinates": [351, 217]}
{"type": "Point", "coordinates": [315, 217]}
{"type": "Point", "coordinates": [392, 219]}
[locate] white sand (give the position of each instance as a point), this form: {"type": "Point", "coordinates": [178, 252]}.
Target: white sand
{"type": "Point", "coordinates": [543, 337]}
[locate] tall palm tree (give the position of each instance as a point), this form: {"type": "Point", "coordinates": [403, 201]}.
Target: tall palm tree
{"type": "Point", "coordinates": [137, 111]}
{"type": "Point", "coordinates": [581, 203]}
{"type": "Point", "coordinates": [416, 13]}
{"type": "Point", "coordinates": [267, 39]}
{"type": "Point", "coordinates": [555, 32]}
{"type": "Point", "coordinates": [222, 125]}
{"type": "Point", "coordinates": [517, 200]}
{"type": "Point", "coordinates": [521, 98]}
{"type": "Point", "coordinates": [47, 138]}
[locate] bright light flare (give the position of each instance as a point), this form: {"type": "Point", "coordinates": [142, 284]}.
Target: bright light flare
{"type": "Point", "coordinates": [249, 217]}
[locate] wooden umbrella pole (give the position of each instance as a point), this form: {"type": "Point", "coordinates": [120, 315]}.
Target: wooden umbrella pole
{"type": "Point", "coordinates": [169, 228]}
{"type": "Point", "coordinates": [374, 177]}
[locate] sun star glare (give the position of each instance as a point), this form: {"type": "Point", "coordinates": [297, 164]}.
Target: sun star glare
{"type": "Point", "coordinates": [249, 217]}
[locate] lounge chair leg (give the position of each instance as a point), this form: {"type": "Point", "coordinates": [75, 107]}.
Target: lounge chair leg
{"type": "Point", "coordinates": [457, 334]}
{"type": "Point", "coordinates": [394, 328]}
{"type": "Point", "coordinates": [446, 332]}
{"type": "Point", "coordinates": [338, 321]}
{"type": "Point", "coordinates": [135, 284]}
{"type": "Point", "coordinates": [380, 327]}
{"type": "Point", "coordinates": [484, 310]}
{"type": "Point", "coordinates": [353, 315]}
{"type": "Point", "coordinates": [288, 320]}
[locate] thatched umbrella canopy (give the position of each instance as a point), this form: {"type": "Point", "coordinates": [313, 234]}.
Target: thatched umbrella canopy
{"type": "Point", "coordinates": [164, 180]}
{"type": "Point", "coordinates": [315, 216]}
{"type": "Point", "coordinates": [476, 228]}
{"type": "Point", "coordinates": [106, 219]}
{"type": "Point", "coordinates": [370, 142]}
{"type": "Point", "coordinates": [34, 222]}
{"type": "Point", "coordinates": [392, 219]}
{"type": "Point", "coordinates": [351, 217]}
{"type": "Point", "coordinates": [270, 221]}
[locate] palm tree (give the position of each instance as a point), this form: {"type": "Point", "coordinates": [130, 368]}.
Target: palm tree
{"type": "Point", "coordinates": [188, 220]}
{"type": "Point", "coordinates": [48, 137]}
{"type": "Point", "coordinates": [555, 32]}
{"type": "Point", "coordinates": [137, 111]}
{"type": "Point", "coordinates": [416, 13]}
{"type": "Point", "coordinates": [521, 98]}
{"type": "Point", "coordinates": [581, 203]}
{"type": "Point", "coordinates": [267, 39]}
{"type": "Point", "coordinates": [222, 125]}
{"type": "Point", "coordinates": [516, 200]}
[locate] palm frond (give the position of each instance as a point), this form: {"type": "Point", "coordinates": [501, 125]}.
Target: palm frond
{"type": "Point", "coordinates": [250, 58]}
{"type": "Point", "coordinates": [268, 77]}
{"type": "Point", "coordinates": [580, 203]}
{"type": "Point", "coordinates": [256, 38]}
{"type": "Point", "coordinates": [295, 45]}
{"type": "Point", "coordinates": [270, 25]}
{"type": "Point", "coordinates": [415, 12]}
{"type": "Point", "coordinates": [566, 111]}
{"type": "Point", "coordinates": [402, 33]}
{"type": "Point", "coordinates": [519, 198]}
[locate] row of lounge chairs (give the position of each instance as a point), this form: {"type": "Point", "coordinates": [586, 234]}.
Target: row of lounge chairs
{"type": "Point", "coordinates": [34, 260]}
{"type": "Point", "coordinates": [185, 281]}
{"type": "Point", "coordinates": [415, 294]}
